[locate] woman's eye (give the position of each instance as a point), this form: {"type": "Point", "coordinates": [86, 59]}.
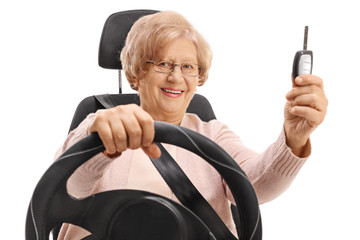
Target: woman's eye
{"type": "Point", "coordinates": [164, 64]}
{"type": "Point", "coordinates": [188, 66]}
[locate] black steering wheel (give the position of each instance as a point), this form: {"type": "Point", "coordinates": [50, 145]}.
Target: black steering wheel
{"type": "Point", "coordinates": [107, 214]}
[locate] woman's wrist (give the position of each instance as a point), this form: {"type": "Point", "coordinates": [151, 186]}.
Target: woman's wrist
{"type": "Point", "coordinates": [299, 149]}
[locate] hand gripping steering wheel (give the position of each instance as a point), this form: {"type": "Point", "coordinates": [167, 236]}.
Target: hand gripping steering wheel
{"type": "Point", "coordinates": [120, 214]}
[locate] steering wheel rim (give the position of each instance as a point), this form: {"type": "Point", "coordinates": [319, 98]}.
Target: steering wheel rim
{"type": "Point", "coordinates": [56, 176]}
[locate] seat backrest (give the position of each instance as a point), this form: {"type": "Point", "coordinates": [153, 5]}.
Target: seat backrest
{"type": "Point", "coordinates": [113, 38]}
{"type": "Point", "coordinates": [114, 35]}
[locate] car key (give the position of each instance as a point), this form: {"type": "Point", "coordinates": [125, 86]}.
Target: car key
{"type": "Point", "coordinates": [303, 60]}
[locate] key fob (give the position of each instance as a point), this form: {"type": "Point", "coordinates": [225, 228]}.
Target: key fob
{"type": "Point", "coordinates": [303, 62]}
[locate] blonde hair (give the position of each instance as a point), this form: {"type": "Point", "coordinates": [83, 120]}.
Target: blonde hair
{"type": "Point", "coordinates": [152, 33]}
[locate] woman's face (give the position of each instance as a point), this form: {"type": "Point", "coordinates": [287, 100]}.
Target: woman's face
{"type": "Point", "coordinates": [166, 96]}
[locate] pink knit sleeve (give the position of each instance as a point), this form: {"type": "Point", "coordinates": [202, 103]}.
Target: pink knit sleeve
{"type": "Point", "coordinates": [270, 172]}
{"type": "Point", "coordinates": [83, 181]}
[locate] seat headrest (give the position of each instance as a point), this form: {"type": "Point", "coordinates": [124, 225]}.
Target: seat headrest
{"type": "Point", "coordinates": [114, 34]}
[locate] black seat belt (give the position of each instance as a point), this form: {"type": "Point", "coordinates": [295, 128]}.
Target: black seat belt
{"type": "Point", "coordinates": [188, 195]}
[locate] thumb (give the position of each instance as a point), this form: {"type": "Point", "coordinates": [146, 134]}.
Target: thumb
{"type": "Point", "coordinates": [152, 150]}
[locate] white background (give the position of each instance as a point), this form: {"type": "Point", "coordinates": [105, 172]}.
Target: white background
{"type": "Point", "coordinates": [48, 64]}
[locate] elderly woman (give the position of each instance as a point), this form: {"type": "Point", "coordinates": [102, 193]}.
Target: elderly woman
{"type": "Point", "coordinates": [165, 59]}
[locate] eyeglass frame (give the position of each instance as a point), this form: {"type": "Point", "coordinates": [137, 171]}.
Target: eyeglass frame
{"type": "Point", "coordinates": [173, 67]}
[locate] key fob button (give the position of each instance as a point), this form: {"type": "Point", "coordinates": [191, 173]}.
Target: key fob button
{"type": "Point", "coordinates": [305, 64]}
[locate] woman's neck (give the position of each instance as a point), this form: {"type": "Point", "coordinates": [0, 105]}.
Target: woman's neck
{"type": "Point", "coordinates": [169, 118]}
{"type": "Point", "coordinates": [174, 118]}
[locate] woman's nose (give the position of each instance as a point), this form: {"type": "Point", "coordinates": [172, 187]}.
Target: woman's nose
{"type": "Point", "coordinates": [176, 74]}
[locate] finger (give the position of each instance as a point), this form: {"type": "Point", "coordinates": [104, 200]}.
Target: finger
{"type": "Point", "coordinates": [300, 90]}
{"type": "Point", "coordinates": [304, 100]}
{"type": "Point", "coordinates": [106, 137]}
{"type": "Point", "coordinates": [147, 125]}
{"type": "Point", "coordinates": [311, 100]}
{"type": "Point", "coordinates": [120, 138]}
{"type": "Point", "coordinates": [133, 131]}
{"type": "Point", "coordinates": [102, 127]}
{"type": "Point", "coordinates": [304, 80]}
{"type": "Point", "coordinates": [314, 116]}
{"type": "Point", "coordinates": [152, 150]}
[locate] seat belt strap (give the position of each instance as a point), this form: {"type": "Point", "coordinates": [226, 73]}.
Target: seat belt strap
{"type": "Point", "coordinates": [106, 101]}
{"type": "Point", "coordinates": [188, 195]}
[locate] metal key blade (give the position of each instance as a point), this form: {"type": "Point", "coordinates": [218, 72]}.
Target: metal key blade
{"type": "Point", "coordinates": [305, 37]}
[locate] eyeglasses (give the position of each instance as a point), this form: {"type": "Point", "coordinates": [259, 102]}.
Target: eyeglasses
{"type": "Point", "coordinates": [188, 69]}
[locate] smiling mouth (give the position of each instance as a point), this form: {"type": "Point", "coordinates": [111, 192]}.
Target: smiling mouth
{"type": "Point", "coordinates": [172, 91]}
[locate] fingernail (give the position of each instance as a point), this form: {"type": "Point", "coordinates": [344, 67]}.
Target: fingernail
{"type": "Point", "coordinates": [114, 155]}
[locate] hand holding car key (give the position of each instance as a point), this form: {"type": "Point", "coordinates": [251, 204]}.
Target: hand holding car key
{"type": "Point", "coordinates": [306, 104]}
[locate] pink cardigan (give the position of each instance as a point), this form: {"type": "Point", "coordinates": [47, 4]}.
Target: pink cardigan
{"type": "Point", "coordinates": [270, 172]}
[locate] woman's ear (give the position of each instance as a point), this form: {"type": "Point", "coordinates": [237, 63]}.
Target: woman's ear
{"type": "Point", "coordinates": [135, 82]}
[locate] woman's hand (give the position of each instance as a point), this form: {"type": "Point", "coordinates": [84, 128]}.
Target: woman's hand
{"type": "Point", "coordinates": [123, 127]}
{"type": "Point", "coordinates": [305, 110]}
